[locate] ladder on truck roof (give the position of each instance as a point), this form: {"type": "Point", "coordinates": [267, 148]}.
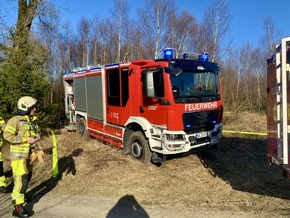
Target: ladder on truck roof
{"type": "Point", "coordinates": [283, 129]}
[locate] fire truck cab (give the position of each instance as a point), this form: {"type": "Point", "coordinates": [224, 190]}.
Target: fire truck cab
{"type": "Point", "coordinates": [278, 99]}
{"type": "Point", "coordinates": [149, 108]}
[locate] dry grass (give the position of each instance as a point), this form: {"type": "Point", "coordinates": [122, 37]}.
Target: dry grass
{"type": "Point", "coordinates": [245, 121]}
{"type": "Point", "coordinates": [233, 177]}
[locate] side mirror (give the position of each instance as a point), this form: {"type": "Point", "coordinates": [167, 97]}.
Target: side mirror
{"type": "Point", "coordinates": [149, 84]}
{"type": "Point", "coordinates": [153, 84]}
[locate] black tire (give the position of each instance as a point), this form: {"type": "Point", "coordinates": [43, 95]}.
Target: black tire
{"type": "Point", "coordinates": [126, 145]}
{"type": "Point", "coordinates": [139, 148]}
{"type": "Point", "coordinates": [82, 127]}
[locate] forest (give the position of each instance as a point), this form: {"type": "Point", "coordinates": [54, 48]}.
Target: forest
{"type": "Point", "coordinates": [38, 49]}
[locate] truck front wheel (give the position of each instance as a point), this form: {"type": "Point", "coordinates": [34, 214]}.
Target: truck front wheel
{"type": "Point", "coordinates": [139, 148]}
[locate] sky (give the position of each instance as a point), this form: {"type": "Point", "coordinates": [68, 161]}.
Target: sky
{"type": "Point", "coordinates": [247, 15]}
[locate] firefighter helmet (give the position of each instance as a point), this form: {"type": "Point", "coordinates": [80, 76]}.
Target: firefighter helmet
{"type": "Point", "coordinates": [26, 103]}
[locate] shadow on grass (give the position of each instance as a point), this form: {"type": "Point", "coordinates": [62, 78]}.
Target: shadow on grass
{"type": "Point", "coordinates": [241, 161]}
{"type": "Point", "coordinates": [66, 165]}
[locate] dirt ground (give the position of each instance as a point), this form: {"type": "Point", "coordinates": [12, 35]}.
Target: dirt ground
{"type": "Point", "coordinates": [234, 179]}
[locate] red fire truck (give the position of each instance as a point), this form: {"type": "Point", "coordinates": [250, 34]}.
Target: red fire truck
{"type": "Point", "coordinates": [149, 108]}
{"type": "Point", "coordinates": [278, 98]}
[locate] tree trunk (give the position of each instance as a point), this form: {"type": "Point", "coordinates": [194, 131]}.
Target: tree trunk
{"type": "Point", "coordinates": [26, 14]}
{"type": "Point", "coordinates": [158, 30]}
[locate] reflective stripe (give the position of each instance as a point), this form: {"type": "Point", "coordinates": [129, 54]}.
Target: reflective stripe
{"type": "Point", "coordinates": [17, 198]}
{"type": "Point", "coordinates": [20, 155]}
{"type": "Point", "coordinates": [20, 150]}
{"type": "Point", "coordinates": [10, 129]}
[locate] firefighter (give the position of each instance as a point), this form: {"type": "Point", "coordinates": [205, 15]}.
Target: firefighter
{"type": "Point", "coordinates": [21, 132]}
{"type": "Point", "coordinates": [2, 176]}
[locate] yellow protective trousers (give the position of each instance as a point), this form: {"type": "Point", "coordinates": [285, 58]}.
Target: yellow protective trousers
{"type": "Point", "coordinates": [21, 174]}
{"type": "Point", "coordinates": [2, 176]}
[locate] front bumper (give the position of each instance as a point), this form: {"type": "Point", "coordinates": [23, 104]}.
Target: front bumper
{"type": "Point", "coordinates": [187, 142]}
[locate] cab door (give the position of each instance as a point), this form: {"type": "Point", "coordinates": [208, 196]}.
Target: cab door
{"type": "Point", "coordinates": [117, 94]}
{"type": "Point", "coordinates": [155, 104]}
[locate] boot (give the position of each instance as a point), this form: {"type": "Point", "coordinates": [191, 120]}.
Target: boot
{"type": "Point", "coordinates": [19, 211]}
{"type": "Point", "coordinates": [3, 189]}
{"type": "Point", "coordinates": [26, 198]}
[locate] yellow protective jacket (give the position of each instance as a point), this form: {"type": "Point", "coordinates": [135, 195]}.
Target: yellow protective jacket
{"type": "Point", "coordinates": [16, 132]}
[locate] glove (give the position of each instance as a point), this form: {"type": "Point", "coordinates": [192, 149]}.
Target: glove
{"type": "Point", "coordinates": [41, 156]}
{"type": "Point", "coordinates": [37, 155]}
{"type": "Point", "coordinates": [33, 157]}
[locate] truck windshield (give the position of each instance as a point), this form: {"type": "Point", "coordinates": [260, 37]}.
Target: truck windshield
{"type": "Point", "coordinates": [193, 86]}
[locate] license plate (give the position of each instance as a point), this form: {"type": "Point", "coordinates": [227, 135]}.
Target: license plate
{"type": "Point", "coordinates": [201, 135]}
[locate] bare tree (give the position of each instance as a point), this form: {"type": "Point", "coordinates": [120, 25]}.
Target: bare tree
{"type": "Point", "coordinates": [103, 41]}
{"type": "Point", "coordinates": [26, 14]}
{"type": "Point", "coordinates": [153, 19]}
{"type": "Point", "coordinates": [258, 68]}
{"type": "Point", "coordinates": [244, 79]}
{"type": "Point", "coordinates": [271, 36]}
{"type": "Point", "coordinates": [231, 80]}
{"type": "Point", "coordinates": [65, 44]}
{"type": "Point", "coordinates": [215, 27]}
{"type": "Point", "coordinates": [182, 31]}
{"type": "Point", "coordinates": [83, 35]}
{"type": "Point", "coordinates": [120, 16]}
{"type": "Point", "coordinates": [135, 36]}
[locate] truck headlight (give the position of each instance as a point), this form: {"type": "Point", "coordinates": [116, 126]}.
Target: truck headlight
{"type": "Point", "coordinates": [174, 137]}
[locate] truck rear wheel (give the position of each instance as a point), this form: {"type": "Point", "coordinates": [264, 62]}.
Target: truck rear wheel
{"type": "Point", "coordinates": [82, 127]}
{"type": "Point", "coordinates": [139, 148]}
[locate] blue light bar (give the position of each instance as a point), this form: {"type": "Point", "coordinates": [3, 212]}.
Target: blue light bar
{"type": "Point", "coordinates": [168, 53]}
{"type": "Point", "coordinates": [204, 56]}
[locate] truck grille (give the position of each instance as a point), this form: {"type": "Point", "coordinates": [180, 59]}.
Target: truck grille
{"type": "Point", "coordinates": [199, 121]}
